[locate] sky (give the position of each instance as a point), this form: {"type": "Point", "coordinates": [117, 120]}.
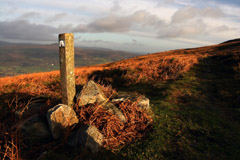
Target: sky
{"type": "Point", "coordinates": [143, 26]}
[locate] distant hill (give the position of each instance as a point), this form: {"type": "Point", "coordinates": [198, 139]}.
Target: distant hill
{"type": "Point", "coordinates": [17, 58]}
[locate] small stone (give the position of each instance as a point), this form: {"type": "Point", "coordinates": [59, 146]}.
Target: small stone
{"type": "Point", "coordinates": [143, 103]}
{"type": "Point", "coordinates": [87, 136]}
{"type": "Point", "coordinates": [110, 107]}
{"type": "Point", "coordinates": [60, 118]}
{"type": "Point", "coordinates": [118, 100]}
{"type": "Point", "coordinates": [91, 93]}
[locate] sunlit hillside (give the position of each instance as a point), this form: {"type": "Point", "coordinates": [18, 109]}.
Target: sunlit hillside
{"type": "Point", "coordinates": [155, 67]}
{"type": "Point", "coordinates": [194, 94]}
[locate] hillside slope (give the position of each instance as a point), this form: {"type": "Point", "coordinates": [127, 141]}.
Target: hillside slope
{"type": "Point", "coordinates": [194, 94]}
{"type": "Point", "coordinates": [30, 58]}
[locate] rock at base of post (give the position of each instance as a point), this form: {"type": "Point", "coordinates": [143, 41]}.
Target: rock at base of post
{"type": "Point", "coordinates": [87, 136]}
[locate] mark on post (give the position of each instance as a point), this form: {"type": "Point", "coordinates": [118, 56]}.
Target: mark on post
{"type": "Point", "coordinates": [61, 43]}
{"type": "Point", "coordinates": [66, 58]}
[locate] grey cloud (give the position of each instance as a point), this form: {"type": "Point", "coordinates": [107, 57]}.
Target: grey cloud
{"type": "Point", "coordinates": [56, 17]}
{"type": "Point", "coordinates": [194, 27]}
{"type": "Point", "coordinates": [95, 41]}
{"type": "Point", "coordinates": [189, 12]}
{"type": "Point", "coordinates": [23, 30]}
{"type": "Point", "coordinates": [143, 17]}
{"type": "Point", "coordinates": [134, 41]}
{"type": "Point", "coordinates": [81, 7]}
{"type": "Point", "coordinates": [29, 15]}
{"type": "Point", "coordinates": [184, 14]}
{"type": "Point", "coordinates": [212, 12]}
{"type": "Point", "coordinates": [188, 21]}
{"type": "Point", "coordinates": [111, 24]}
{"type": "Point", "coordinates": [115, 23]}
{"type": "Point", "coordinates": [115, 7]}
{"type": "Point", "coordinates": [81, 28]}
{"type": "Point", "coordinates": [222, 28]}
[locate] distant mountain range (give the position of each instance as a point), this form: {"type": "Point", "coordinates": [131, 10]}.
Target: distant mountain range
{"type": "Point", "coordinates": [20, 58]}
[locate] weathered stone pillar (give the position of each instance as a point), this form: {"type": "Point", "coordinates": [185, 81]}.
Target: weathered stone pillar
{"type": "Point", "coordinates": [66, 58]}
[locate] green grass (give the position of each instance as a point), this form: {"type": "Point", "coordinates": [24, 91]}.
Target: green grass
{"type": "Point", "coordinates": [196, 116]}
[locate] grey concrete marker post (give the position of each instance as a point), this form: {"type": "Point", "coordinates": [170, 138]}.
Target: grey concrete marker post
{"type": "Point", "coordinates": [66, 58]}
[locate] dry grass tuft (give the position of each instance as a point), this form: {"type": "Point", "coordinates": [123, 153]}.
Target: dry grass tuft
{"type": "Point", "coordinates": [117, 133]}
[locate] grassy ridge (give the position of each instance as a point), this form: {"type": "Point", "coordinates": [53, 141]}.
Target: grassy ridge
{"type": "Point", "coordinates": [196, 116]}
{"type": "Point", "coordinates": [194, 95]}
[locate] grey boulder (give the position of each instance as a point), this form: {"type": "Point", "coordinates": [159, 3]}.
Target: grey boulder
{"type": "Point", "coordinates": [60, 118]}
{"type": "Point", "coordinates": [87, 136]}
{"type": "Point", "coordinates": [91, 93]}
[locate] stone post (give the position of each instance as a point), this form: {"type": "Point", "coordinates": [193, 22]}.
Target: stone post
{"type": "Point", "coordinates": [66, 58]}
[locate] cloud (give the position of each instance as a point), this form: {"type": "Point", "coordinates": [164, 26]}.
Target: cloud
{"type": "Point", "coordinates": [185, 22]}
{"type": "Point", "coordinates": [182, 19]}
{"type": "Point", "coordinates": [145, 18]}
{"type": "Point", "coordinates": [189, 12]}
{"type": "Point", "coordinates": [222, 28]}
{"type": "Point", "coordinates": [29, 15]}
{"type": "Point", "coordinates": [56, 17]}
{"type": "Point", "coordinates": [116, 23]}
{"type": "Point", "coordinates": [96, 41]}
{"type": "Point", "coordinates": [115, 7]}
{"type": "Point", "coordinates": [134, 41]}
{"type": "Point", "coordinates": [189, 21]}
{"type": "Point", "coordinates": [192, 28]}
{"type": "Point", "coordinates": [112, 23]}
{"type": "Point", "coordinates": [23, 30]}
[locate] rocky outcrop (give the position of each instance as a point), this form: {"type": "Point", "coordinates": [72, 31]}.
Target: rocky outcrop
{"type": "Point", "coordinates": [87, 136]}
{"type": "Point", "coordinates": [60, 118]}
{"type": "Point", "coordinates": [91, 93]}
{"type": "Point", "coordinates": [38, 129]}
